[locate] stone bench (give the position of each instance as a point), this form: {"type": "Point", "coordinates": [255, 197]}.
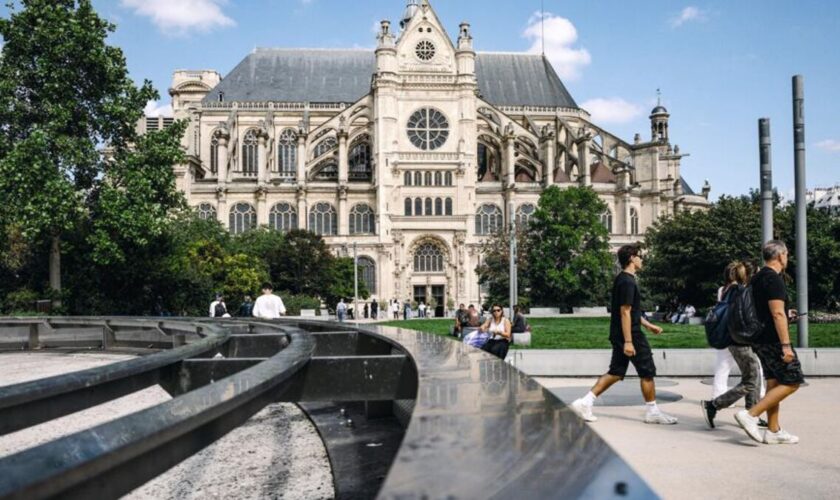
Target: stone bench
{"type": "Point", "coordinates": [523, 338]}
{"type": "Point", "coordinates": [307, 313]}
{"type": "Point", "coordinates": [696, 320]}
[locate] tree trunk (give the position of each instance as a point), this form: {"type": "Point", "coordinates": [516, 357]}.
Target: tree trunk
{"type": "Point", "coordinates": [55, 269]}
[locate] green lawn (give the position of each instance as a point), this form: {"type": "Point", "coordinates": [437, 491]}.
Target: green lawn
{"type": "Point", "coordinates": [592, 333]}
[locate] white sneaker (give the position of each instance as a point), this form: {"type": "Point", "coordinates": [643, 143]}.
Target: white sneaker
{"type": "Point", "coordinates": [750, 425]}
{"type": "Point", "coordinates": [660, 418]}
{"type": "Point", "coordinates": [781, 437]}
{"type": "Point", "coordinates": [583, 410]}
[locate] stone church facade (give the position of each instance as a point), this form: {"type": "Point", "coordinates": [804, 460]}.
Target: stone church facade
{"type": "Point", "coordinates": [413, 152]}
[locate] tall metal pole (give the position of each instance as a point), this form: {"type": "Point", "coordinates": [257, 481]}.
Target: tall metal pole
{"type": "Point", "coordinates": [512, 278]}
{"type": "Point", "coordinates": [355, 283]}
{"type": "Point", "coordinates": [801, 224]}
{"type": "Point", "coordinates": [766, 180]}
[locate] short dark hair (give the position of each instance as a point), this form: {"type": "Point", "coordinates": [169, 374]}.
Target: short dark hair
{"type": "Point", "coordinates": [472, 306]}
{"type": "Point", "coordinates": [267, 286]}
{"type": "Point", "coordinates": [627, 252]}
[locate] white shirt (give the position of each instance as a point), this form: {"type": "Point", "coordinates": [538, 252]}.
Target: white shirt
{"type": "Point", "coordinates": [341, 307]}
{"type": "Point", "coordinates": [213, 308]}
{"type": "Point", "coordinates": [422, 307]}
{"type": "Point", "coordinates": [268, 307]}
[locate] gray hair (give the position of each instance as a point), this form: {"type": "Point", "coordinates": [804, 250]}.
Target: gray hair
{"type": "Point", "coordinates": [772, 249]}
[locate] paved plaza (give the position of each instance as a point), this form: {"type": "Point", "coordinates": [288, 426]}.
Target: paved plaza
{"type": "Point", "coordinates": [689, 460]}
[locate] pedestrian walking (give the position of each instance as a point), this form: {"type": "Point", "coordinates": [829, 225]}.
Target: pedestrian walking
{"type": "Point", "coordinates": [395, 308]}
{"type": "Point", "coordinates": [374, 309]}
{"type": "Point", "coordinates": [629, 344]}
{"type": "Point", "coordinates": [421, 310]}
{"type": "Point", "coordinates": [366, 310]}
{"type": "Point", "coordinates": [406, 310]}
{"type": "Point", "coordinates": [779, 361]}
{"type": "Point", "coordinates": [268, 305]}
{"type": "Point", "coordinates": [741, 355]}
{"type": "Point", "coordinates": [341, 310]}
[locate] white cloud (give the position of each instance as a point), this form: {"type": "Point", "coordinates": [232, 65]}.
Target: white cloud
{"type": "Point", "coordinates": [688, 14]}
{"type": "Point", "coordinates": [560, 37]}
{"type": "Point", "coordinates": [182, 16]}
{"type": "Point", "coordinates": [156, 108]}
{"type": "Point", "coordinates": [832, 145]}
{"type": "Point", "coordinates": [612, 110]}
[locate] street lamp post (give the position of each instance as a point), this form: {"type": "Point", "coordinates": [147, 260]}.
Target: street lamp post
{"type": "Point", "coordinates": [512, 279]}
{"type": "Point", "coordinates": [801, 221]}
{"type": "Point", "coordinates": [355, 283]}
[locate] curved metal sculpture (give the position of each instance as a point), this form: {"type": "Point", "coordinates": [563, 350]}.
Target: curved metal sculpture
{"type": "Point", "coordinates": [472, 425]}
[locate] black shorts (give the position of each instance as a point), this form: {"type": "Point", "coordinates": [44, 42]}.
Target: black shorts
{"type": "Point", "coordinates": [774, 367]}
{"type": "Point", "coordinates": [642, 361]}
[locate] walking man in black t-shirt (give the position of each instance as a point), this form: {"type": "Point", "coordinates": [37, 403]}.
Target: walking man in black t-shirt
{"type": "Point", "coordinates": [778, 359]}
{"type": "Point", "coordinates": [629, 344]}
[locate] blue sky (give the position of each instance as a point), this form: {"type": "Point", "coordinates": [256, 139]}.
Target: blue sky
{"type": "Point", "coordinates": [721, 65]}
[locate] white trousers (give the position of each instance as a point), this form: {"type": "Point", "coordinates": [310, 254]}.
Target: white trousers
{"type": "Point", "coordinates": [723, 366]}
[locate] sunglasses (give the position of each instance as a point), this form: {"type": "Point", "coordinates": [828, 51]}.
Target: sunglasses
{"type": "Point", "coordinates": [497, 310]}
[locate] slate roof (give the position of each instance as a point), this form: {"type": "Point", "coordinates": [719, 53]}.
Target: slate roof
{"type": "Point", "coordinates": [685, 187]}
{"type": "Point", "coordinates": [327, 75]}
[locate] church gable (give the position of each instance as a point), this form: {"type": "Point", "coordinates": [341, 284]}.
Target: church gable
{"type": "Point", "coordinates": [424, 46]}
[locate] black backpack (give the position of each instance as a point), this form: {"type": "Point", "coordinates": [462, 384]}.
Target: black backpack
{"type": "Point", "coordinates": [219, 310]}
{"type": "Point", "coordinates": [744, 325]}
{"type": "Point", "coordinates": [717, 322]}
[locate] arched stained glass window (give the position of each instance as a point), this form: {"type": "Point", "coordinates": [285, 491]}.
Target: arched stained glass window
{"type": "Point", "coordinates": [214, 155]}
{"type": "Point", "coordinates": [607, 220]}
{"type": "Point", "coordinates": [524, 213]}
{"type": "Point", "coordinates": [283, 217]}
{"type": "Point", "coordinates": [427, 179]}
{"type": "Point", "coordinates": [407, 179]}
{"type": "Point", "coordinates": [243, 217]}
{"type": "Point", "coordinates": [418, 206]}
{"type": "Point", "coordinates": [438, 206]}
{"type": "Point", "coordinates": [448, 179]}
{"type": "Point", "coordinates": [359, 161]}
{"type": "Point", "coordinates": [323, 219]}
{"type": "Point", "coordinates": [362, 219]}
{"type": "Point", "coordinates": [206, 211]}
{"type": "Point", "coordinates": [408, 206]}
{"type": "Point", "coordinates": [250, 154]}
{"type": "Point", "coordinates": [367, 273]}
{"type": "Point", "coordinates": [448, 204]}
{"type": "Point", "coordinates": [324, 146]}
{"type": "Point", "coordinates": [438, 179]}
{"type": "Point", "coordinates": [428, 129]}
{"type": "Point", "coordinates": [287, 154]}
{"type": "Point", "coordinates": [418, 179]}
{"type": "Point", "coordinates": [634, 221]}
{"type": "Point", "coordinates": [428, 258]}
{"type": "Point", "coordinates": [429, 206]}
{"type": "Point", "coordinates": [488, 219]}
{"type": "Point", "coordinates": [488, 162]}
{"type": "Point", "coordinates": [327, 170]}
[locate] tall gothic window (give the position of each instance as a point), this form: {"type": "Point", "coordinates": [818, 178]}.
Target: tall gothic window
{"type": "Point", "coordinates": [367, 273]}
{"type": "Point", "coordinates": [418, 179]}
{"type": "Point", "coordinates": [448, 179]}
{"type": "Point", "coordinates": [448, 203]}
{"type": "Point", "coordinates": [634, 221]}
{"type": "Point", "coordinates": [429, 206]}
{"type": "Point", "coordinates": [607, 220]}
{"type": "Point", "coordinates": [438, 179]}
{"type": "Point", "coordinates": [206, 211]}
{"type": "Point", "coordinates": [214, 155]}
{"type": "Point", "coordinates": [438, 206]}
{"type": "Point", "coordinates": [488, 162]}
{"type": "Point", "coordinates": [408, 206]}
{"type": "Point", "coordinates": [243, 217]}
{"type": "Point", "coordinates": [250, 154]}
{"type": "Point", "coordinates": [359, 164]}
{"type": "Point", "coordinates": [323, 219]}
{"type": "Point", "coordinates": [324, 146]}
{"type": "Point", "coordinates": [428, 259]}
{"type": "Point", "coordinates": [362, 219]}
{"type": "Point", "coordinates": [283, 217]}
{"type": "Point", "coordinates": [287, 154]}
{"type": "Point", "coordinates": [524, 213]}
{"type": "Point", "coordinates": [428, 179]}
{"type": "Point", "coordinates": [488, 219]}
{"type": "Point", "coordinates": [418, 206]}
{"type": "Point", "coordinates": [407, 179]}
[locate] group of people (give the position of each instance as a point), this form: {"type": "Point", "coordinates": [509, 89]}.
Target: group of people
{"type": "Point", "coordinates": [267, 305]}
{"type": "Point", "coordinates": [770, 353]}
{"type": "Point", "coordinates": [494, 334]}
{"type": "Point", "coordinates": [682, 314]}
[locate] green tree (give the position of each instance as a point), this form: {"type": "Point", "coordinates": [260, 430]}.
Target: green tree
{"type": "Point", "coordinates": [340, 276]}
{"type": "Point", "coordinates": [64, 94]}
{"type": "Point", "coordinates": [568, 249]}
{"type": "Point", "coordinates": [303, 264]}
{"type": "Point", "coordinates": [688, 251]}
{"type": "Point", "coordinates": [494, 271]}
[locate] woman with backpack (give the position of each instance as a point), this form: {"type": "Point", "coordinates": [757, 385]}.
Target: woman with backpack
{"type": "Point", "coordinates": [729, 353]}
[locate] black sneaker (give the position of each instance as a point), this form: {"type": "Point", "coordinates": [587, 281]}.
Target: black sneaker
{"type": "Point", "coordinates": [762, 423]}
{"type": "Point", "coordinates": [709, 413]}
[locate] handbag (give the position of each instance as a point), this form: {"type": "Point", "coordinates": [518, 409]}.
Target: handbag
{"type": "Point", "coordinates": [477, 339]}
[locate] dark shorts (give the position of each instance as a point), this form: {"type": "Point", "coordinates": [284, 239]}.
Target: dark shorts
{"type": "Point", "coordinates": [642, 361]}
{"type": "Point", "coordinates": [774, 367]}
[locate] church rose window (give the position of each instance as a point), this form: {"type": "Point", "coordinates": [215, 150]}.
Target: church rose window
{"type": "Point", "coordinates": [425, 50]}
{"type": "Point", "coordinates": [428, 129]}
